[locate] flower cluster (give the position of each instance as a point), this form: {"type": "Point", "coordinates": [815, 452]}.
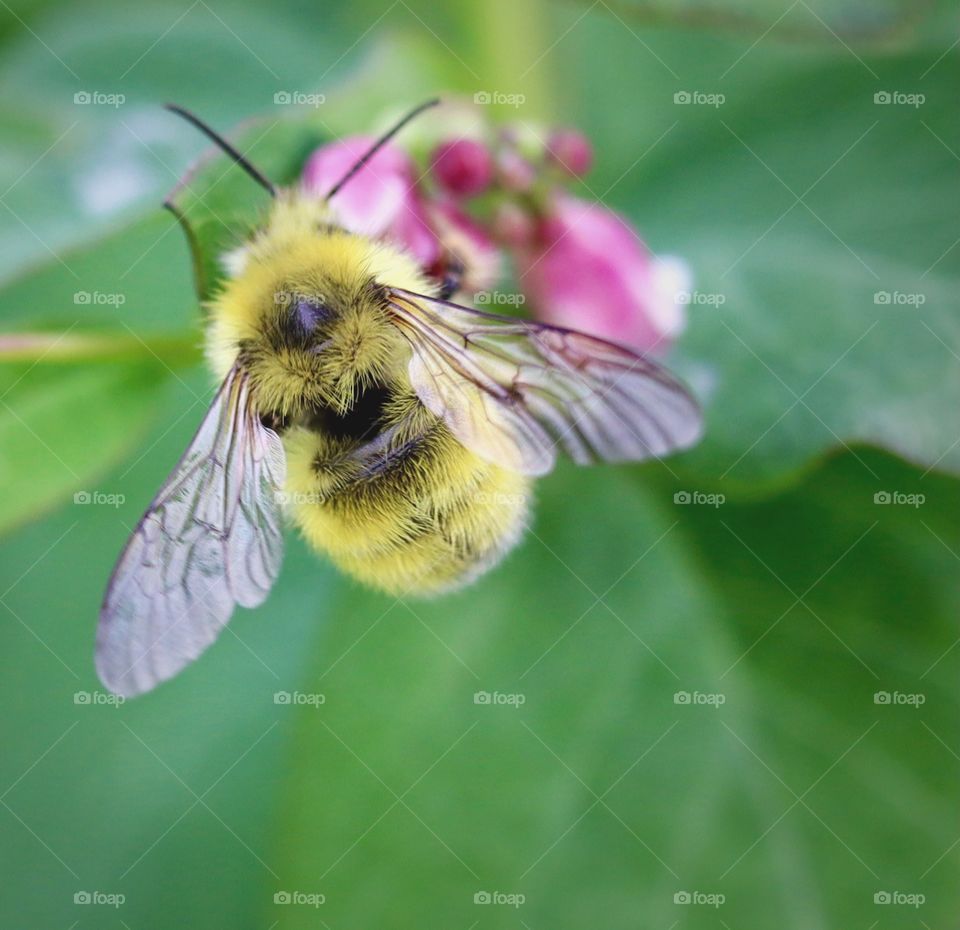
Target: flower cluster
{"type": "Point", "coordinates": [475, 194]}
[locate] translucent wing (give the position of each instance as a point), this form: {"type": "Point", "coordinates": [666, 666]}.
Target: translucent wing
{"type": "Point", "coordinates": [210, 540]}
{"type": "Point", "coordinates": [513, 391]}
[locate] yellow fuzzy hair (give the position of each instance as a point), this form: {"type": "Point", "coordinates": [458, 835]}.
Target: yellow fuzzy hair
{"type": "Point", "coordinates": [438, 515]}
{"type": "Point", "coordinates": [431, 523]}
{"type": "Point", "coordinates": [299, 251]}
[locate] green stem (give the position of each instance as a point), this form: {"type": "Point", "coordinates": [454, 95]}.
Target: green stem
{"type": "Point", "coordinates": [45, 347]}
{"type": "Point", "coordinates": [511, 36]}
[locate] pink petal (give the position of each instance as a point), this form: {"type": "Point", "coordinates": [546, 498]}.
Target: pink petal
{"type": "Point", "coordinates": [590, 271]}
{"type": "Point", "coordinates": [380, 200]}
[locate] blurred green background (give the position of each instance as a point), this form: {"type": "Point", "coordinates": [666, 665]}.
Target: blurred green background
{"type": "Point", "coordinates": [787, 791]}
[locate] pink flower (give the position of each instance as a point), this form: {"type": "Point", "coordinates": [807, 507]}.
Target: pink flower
{"type": "Point", "coordinates": [380, 200]}
{"type": "Point", "coordinates": [587, 269]}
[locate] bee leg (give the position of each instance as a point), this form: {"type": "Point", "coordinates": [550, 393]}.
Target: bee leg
{"type": "Point", "coordinates": [277, 422]}
{"type": "Point", "coordinates": [452, 278]}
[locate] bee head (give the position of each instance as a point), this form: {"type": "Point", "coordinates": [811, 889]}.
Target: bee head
{"type": "Point", "coordinates": [320, 344]}
{"type": "Point", "coordinates": [303, 313]}
{"type": "Point", "coordinates": [302, 322]}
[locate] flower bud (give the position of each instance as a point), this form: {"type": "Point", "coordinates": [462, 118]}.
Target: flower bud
{"type": "Point", "coordinates": [571, 151]}
{"type": "Point", "coordinates": [463, 167]}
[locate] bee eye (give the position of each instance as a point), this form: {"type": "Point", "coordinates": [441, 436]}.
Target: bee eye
{"type": "Point", "coordinates": [305, 315]}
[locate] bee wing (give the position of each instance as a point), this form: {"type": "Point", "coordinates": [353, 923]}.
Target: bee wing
{"type": "Point", "coordinates": [512, 391]}
{"type": "Point", "coordinates": [210, 540]}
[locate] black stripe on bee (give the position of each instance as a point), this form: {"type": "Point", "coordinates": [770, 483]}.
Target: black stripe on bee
{"type": "Point", "coordinates": [362, 422]}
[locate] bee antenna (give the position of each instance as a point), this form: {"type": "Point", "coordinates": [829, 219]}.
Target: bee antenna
{"type": "Point", "coordinates": [222, 143]}
{"type": "Point", "coordinates": [380, 143]}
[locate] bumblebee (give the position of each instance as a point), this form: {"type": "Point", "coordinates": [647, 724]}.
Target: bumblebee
{"type": "Point", "coordinates": [398, 431]}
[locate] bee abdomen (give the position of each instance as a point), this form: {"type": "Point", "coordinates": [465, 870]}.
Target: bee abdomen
{"type": "Point", "coordinates": [427, 517]}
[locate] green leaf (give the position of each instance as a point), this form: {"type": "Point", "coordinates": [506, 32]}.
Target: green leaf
{"type": "Point", "coordinates": [852, 21]}
{"type": "Point", "coordinates": [817, 323]}
{"type": "Point", "coordinates": [105, 788]}
{"type": "Point", "coordinates": [72, 169]}
{"type": "Point", "coordinates": [90, 343]}
{"type": "Point", "coordinates": [600, 792]}
{"type": "Point", "coordinates": [60, 429]}
{"type": "Point", "coordinates": [204, 799]}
